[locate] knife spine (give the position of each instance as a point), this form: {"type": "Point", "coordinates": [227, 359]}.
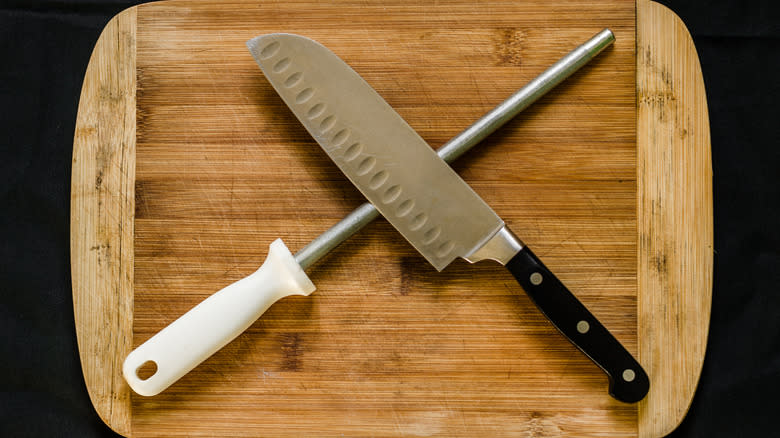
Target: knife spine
{"type": "Point", "coordinates": [344, 146]}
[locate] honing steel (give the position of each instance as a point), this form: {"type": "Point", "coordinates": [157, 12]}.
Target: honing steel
{"type": "Point", "coordinates": [210, 325]}
{"type": "Point", "coordinates": [421, 196]}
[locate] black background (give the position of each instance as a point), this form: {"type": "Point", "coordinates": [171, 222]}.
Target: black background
{"type": "Point", "coordinates": [44, 51]}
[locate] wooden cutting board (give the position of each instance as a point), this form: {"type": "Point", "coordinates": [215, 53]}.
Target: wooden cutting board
{"type": "Point", "coordinates": [187, 165]}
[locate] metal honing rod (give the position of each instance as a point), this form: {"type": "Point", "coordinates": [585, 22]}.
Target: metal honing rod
{"type": "Point", "coordinates": [458, 145]}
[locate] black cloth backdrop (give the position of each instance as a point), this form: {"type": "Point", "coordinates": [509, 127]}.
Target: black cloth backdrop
{"type": "Point", "coordinates": [45, 48]}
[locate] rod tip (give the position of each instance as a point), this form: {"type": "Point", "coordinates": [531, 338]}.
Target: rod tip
{"type": "Point", "coordinates": [607, 35]}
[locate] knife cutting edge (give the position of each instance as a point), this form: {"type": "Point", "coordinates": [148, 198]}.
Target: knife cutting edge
{"type": "Point", "coordinates": [206, 328]}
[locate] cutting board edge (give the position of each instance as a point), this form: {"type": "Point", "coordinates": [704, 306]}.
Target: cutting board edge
{"type": "Point", "coordinates": [102, 218]}
{"type": "Point", "coordinates": [674, 217]}
{"type": "Point", "coordinates": [111, 396]}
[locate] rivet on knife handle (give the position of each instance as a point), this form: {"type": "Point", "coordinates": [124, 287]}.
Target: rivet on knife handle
{"type": "Point", "coordinates": [209, 326]}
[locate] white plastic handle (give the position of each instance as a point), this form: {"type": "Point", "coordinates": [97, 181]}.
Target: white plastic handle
{"type": "Point", "coordinates": [210, 325]}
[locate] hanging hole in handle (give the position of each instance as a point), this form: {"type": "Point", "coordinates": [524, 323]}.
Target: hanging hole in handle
{"type": "Point", "coordinates": [146, 370]}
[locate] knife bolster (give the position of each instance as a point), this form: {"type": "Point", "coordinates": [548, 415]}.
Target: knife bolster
{"type": "Point", "coordinates": [501, 247]}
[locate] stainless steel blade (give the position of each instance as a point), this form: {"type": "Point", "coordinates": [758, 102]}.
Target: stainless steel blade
{"type": "Point", "coordinates": [414, 189]}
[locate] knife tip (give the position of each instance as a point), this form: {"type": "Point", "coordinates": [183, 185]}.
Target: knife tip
{"type": "Point", "coordinates": [254, 43]}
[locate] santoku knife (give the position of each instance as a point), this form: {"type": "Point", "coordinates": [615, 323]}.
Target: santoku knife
{"type": "Point", "coordinates": [421, 196]}
{"type": "Point", "coordinates": [199, 333]}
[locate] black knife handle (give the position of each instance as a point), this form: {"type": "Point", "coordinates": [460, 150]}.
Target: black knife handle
{"type": "Point", "coordinates": [628, 382]}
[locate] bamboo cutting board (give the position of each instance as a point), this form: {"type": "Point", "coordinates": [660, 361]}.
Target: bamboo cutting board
{"type": "Point", "coordinates": [187, 165]}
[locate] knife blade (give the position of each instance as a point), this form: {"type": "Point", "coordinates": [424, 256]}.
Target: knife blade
{"type": "Point", "coordinates": [421, 196]}
{"type": "Point", "coordinates": [200, 332]}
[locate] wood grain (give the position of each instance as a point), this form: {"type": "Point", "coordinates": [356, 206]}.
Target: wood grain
{"type": "Point", "coordinates": [102, 211]}
{"type": "Point", "coordinates": [385, 346]}
{"type": "Point", "coordinates": [675, 216]}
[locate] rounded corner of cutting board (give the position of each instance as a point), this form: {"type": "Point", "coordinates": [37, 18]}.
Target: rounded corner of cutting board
{"type": "Point", "coordinates": [102, 211]}
{"type": "Point", "coordinates": [675, 205]}
{"type": "Point", "coordinates": [120, 22]}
